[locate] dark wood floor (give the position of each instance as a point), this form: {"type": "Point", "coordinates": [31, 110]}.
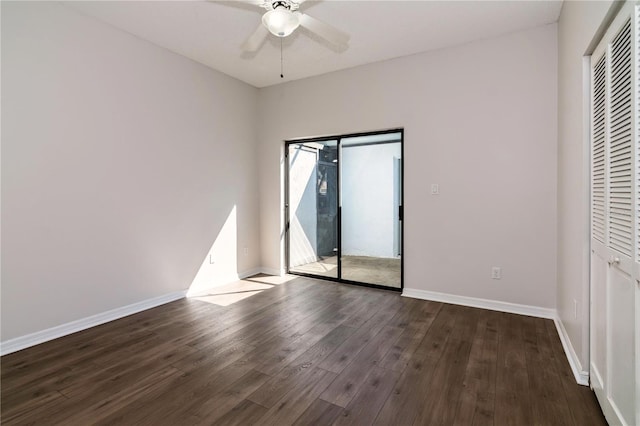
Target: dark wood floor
{"type": "Point", "coordinates": [304, 352]}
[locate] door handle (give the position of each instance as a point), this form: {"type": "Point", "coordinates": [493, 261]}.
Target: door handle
{"type": "Point", "coordinates": [613, 261]}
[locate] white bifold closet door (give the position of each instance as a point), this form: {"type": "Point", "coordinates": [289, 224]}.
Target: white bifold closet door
{"type": "Point", "coordinates": [615, 220]}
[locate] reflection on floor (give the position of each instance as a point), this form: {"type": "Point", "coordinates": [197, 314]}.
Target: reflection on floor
{"type": "Point", "coordinates": [370, 270]}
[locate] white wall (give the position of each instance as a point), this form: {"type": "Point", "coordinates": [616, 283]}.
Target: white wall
{"type": "Point", "coordinates": [122, 163]}
{"type": "Point", "coordinates": [578, 24]}
{"type": "Point", "coordinates": [480, 120]}
{"type": "Point", "coordinates": [368, 205]}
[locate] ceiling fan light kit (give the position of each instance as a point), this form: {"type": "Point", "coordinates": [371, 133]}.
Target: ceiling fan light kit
{"type": "Point", "coordinates": [280, 21]}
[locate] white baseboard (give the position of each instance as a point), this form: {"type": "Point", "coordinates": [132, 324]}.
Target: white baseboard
{"type": "Point", "coordinates": [595, 377]}
{"type": "Point", "coordinates": [23, 342]}
{"type": "Point", "coordinates": [581, 376]}
{"type": "Point", "coordinates": [474, 302]}
{"type": "Point", "coordinates": [249, 273]}
{"type": "Point", "coordinates": [272, 271]}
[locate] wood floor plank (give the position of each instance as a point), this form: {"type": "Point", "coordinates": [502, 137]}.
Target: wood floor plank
{"type": "Point", "coordinates": [248, 326]}
{"type": "Point", "coordinates": [477, 399]}
{"type": "Point", "coordinates": [513, 399]}
{"type": "Point", "coordinates": [319, 413]}
{"type": "Point", "coordinates": [210, 407]}
{"type": "Point", "coordinates": [344, 355]}
{"type": "Point", "coordinates": [344, 388]}
{"type": "Point", "coordinates": [403, 349]}
{"type": "Point", "coordinates": [37, 410]}
{"type": "Point", "coordinates": [272, 391]}
{"type": "Point", "coordinates": [443, 391]}
{"type": "Point", "coordinates": [175, 396]}
{"type": "Point", "coordinates": [245, 413]}
{"type": "Point", "coordinates": [277, 328]}
{"type": "Point", "coordinates": [129, 370]}
{"type": "Point", "coordinates": [95, 407]}
{"type": "Point", "coordinates": [91, 407]}
{"type": "Point", "coordinates": [365, 311]}
{"type": "Point", "coordinates": [298, 399]}
{"type": "Point", "coordinates": [270, 359]}
{"type": "Point", "coordinates": [218, 357]}
{"type": "Point", "coordinates": [407, 398]}
{"type": "Point", "coordinates": [548, 403]}
{"type": "Point", "coordinates": [47, 385]}
{"type": "Point", "coordinates": [407, 313]}
{"type": "Point", "coordinates": [330, 312]}
{"type": "Point", "coordinates": [364, 407]}
{"type": "Point", "coordinates": [35, 370]}
{"type": "Point", "coordinates": [288, 351]}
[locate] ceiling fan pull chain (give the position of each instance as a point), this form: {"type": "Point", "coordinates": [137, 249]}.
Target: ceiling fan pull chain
{"type": "Point", "coordinates": [281, 66]}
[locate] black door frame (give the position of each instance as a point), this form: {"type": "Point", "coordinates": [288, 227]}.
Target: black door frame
{"type": "Point", "coordinates": [339, 138]}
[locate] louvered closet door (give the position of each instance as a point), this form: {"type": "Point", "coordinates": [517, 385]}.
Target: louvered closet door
{"type": "Point", "coordinates": [615, 220]}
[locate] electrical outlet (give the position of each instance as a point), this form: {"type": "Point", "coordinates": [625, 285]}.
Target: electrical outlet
{"type": "Point", "coordinates": [496, 272]}
{"type": "Point", "coordinates": [245, 251]}
{"type": "Point", "coordinates": [211, 259]}
{"type": "Point", "coordinates": [435, 190]}
{"type": "Point", "coordinates": [575, 309]}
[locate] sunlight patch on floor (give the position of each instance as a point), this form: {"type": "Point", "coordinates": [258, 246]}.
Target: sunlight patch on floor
{"type": "Point", "coordinates": [232, 293]}
{"type": "Point", "coordinates": [272, 279]}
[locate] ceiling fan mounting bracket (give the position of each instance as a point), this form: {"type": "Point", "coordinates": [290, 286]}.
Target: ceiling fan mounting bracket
{"type": "Point", "coordinates": [287, 4]}
{"type": "Point", "coordinates": [280, 3]}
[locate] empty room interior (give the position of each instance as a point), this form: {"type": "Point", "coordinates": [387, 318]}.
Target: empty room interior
{"type": "Point", "coordinates": [320, 212]}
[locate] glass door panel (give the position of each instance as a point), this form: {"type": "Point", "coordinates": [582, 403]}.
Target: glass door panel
{"type": "Point", "coordinates": [371, 209]}
{"type": "Point", "coordinates": [313, 208]}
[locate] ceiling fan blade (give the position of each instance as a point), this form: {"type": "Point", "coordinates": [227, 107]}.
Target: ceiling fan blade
{"type": "Point", "coordinates": [326, 31]}
{"type": "Point", "coordinates": [256, 39]}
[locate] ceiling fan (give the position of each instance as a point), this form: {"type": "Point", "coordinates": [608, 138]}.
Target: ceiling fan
{"type": "Point", "coordinates": [282, 18]}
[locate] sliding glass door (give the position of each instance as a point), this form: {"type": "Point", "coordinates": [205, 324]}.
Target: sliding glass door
{"type": "Point", "coordinates": [344, 208]}
{"type": "Point", "coordinates": [313, 208]}
{"type": "Point", "coordinates": [371, 193]}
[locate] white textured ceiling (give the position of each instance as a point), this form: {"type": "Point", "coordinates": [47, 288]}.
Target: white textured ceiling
{"type": "Point", "coordinates": [212, 32]}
